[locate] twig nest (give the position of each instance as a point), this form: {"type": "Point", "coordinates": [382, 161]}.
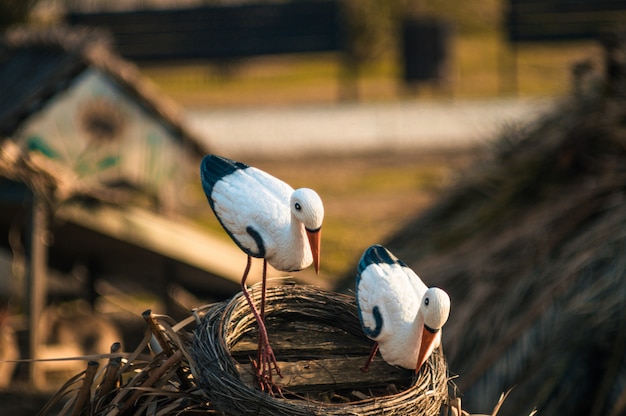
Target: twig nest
{"type": "Point", "coordinates": [317, 338]}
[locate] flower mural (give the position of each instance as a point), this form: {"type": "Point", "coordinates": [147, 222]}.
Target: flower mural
{"type": "Point", "coordinates": [98, 132]}
{"type": "Point", "coordinates": [101, 121]}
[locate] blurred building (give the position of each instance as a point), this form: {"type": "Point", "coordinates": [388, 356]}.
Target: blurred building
{"type": "Point", "coordinates": [92, 163]}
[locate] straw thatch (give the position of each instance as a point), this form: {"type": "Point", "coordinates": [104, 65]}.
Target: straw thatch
{"type": "Point", "coordinates": [530, 245]}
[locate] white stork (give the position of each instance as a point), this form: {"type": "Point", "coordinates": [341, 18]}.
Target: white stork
{"type": "Point", "coordinates": [267, 219]}
{"type": "Point", "coordinates": [397, 310]}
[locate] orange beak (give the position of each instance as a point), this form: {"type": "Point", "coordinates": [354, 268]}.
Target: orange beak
{"type": "Point", "coordinates": [428, 344]}
{"type": "Point", "coordinates": [315, 243]}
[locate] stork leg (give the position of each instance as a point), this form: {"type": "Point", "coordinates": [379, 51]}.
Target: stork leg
{"type": "Point", "coordinates": [262, 365]}
{"type": "Point", "coordinates": [266, 357]}
{"type": "Point", "coordinates": [370, 358]}
{"type": "Point", "coordinates": [263, 288]}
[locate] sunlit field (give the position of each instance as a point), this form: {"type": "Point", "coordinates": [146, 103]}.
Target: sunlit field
{"type": "Point", "coordinates": [368, 198]}
{"type": "Point", "coordinates": [479, 66]}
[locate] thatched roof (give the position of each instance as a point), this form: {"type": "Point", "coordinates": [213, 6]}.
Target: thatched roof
{"type": "Point", "coordinates": [531, 248]}
{"type": "Point", "coordinates": [36, 64]}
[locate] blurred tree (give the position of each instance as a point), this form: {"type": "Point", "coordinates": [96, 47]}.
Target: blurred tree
{"type": "Point", "coordinates": [14, 12]}
{"type": "Point", "coordinates": [369, 35]}
{"type": "Point", "coordinates": [370, 28]}
{"type": "Point", "coordinates": [373, 26]}
{"type": "Point", "coordinates": [466, 17]}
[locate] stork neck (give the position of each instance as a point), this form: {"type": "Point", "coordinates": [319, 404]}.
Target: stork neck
{"type": "Point", "coordinates": [296, 231]}
{"type": "Point", "coordinates": [298, 239]}
{"type": "Point", "coordinates": [417, 329]}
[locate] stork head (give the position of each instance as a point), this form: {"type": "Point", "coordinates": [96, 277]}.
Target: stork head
{"type": "Point", "coordinates": [435, 309]}
{"type": "Point", "coordinates": [307, 207]}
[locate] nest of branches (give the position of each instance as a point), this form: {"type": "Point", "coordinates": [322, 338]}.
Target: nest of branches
{"type": "Point", "coordinates": [325, 327]}
{"type": "Point", "coordinates": [202, 364]}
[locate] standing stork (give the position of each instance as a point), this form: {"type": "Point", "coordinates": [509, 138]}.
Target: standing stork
{"type": "Point", "coordinates": [397, 310]}
{"type": "Point", "coordinates": [267, 219]}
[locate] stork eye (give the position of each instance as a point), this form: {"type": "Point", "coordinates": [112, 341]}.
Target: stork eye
{"type": "Point", "coordinates": [426, 301]}
{"type": "Point", "coordinates": [297, 206]}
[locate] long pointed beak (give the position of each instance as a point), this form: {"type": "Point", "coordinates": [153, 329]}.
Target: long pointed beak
{"type": "Point", "coordinates": [428, 344]}
{"type": "Point", "coordinates": [315, 239]}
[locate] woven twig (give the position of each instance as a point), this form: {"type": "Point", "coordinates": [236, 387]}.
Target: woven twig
{"type": "Point", "coordinates": [197, 374]}
{"type": "Point", "coordinates": [225, 324]}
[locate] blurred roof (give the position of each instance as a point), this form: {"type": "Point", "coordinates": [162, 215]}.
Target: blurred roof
{"type": "Point", "coordinates": [36, 64]}
{"type": "Point", "coordinates": [104, 225]}
{"type": "Point", "coordinates": [118, 5]}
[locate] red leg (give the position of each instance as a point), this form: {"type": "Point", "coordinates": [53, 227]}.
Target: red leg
{"type": "Point", "coordinates": [266, 354]}
{"type": "Point", "coordinates": [263, 288]}
{"type": "Point", "coordinates": [263, 365]}
{"type": "Point", "coordinates": [373, 352]}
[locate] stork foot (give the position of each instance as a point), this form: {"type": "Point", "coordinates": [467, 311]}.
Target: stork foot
{"type": "Point", "coordinates": [264, 368]}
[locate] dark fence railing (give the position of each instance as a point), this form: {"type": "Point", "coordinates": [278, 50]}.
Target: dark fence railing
{"type": "Point", "coordinates": [215, 32]}
{"type": "Point", "coordinates": [556, 20]}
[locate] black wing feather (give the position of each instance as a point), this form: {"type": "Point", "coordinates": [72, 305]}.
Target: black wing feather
{"type": "Point", "coordinates": [213, 168]}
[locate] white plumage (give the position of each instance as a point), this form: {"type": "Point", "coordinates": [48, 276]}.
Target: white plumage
{"type": "Point", "coordinates": [259, 212]}
{"type": "Point", "coordinates": [267, 219]}
{"type": "Point", "coordinates": [252, 199]}
{"type": "Point", "coordinates": [397, 310]}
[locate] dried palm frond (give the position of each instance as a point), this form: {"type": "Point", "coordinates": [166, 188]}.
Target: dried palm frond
{"type": "Point", "coordinates": [133, 383]}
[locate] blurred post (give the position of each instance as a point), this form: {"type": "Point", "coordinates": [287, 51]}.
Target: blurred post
{"type": "Point", "coordinates": [614, 44]}
{"type": "Point", "coordinates": [36, 281]}
{"type": "Point", "coordinates": [425, 51]}
{"type": "Point", "coordinates": [349, 79]}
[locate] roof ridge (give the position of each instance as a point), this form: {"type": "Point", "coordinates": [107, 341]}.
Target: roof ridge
{"type": "Point", "coordinates": [78, 39]}
{"type": "Point", "coordinates": [95, 46]}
